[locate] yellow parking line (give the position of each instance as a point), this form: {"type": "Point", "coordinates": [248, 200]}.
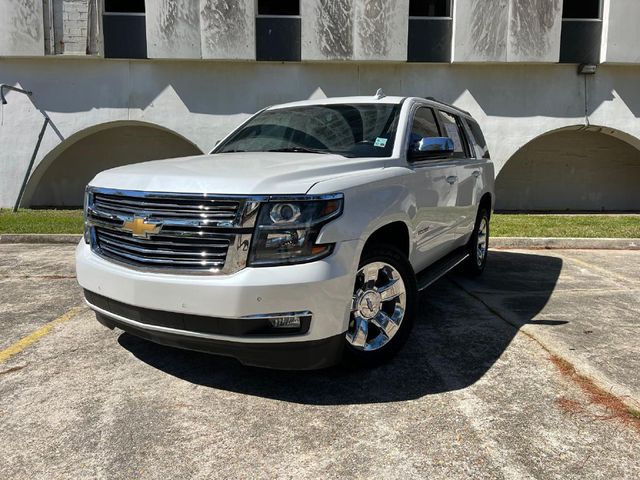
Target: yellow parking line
{"type": "Point", "coordinates": [23, 343]}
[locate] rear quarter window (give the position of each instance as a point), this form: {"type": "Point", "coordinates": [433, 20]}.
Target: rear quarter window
{"type": "Point", "coordinates": [477, 138]}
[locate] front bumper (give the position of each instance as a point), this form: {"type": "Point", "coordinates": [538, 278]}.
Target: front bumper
{"type": "Point", "coordinates": [322, 288]}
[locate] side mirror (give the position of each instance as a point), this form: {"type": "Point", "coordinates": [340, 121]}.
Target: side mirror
{"type": "Point", "coordinates": [431, 147]}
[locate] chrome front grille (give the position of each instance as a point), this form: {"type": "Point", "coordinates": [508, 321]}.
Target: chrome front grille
{"type": "Point", "coordinates": [185, 233]}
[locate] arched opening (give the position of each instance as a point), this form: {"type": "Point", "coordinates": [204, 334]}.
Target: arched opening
{"type": "Point", "coordinates": [61, 177]}
{"type": "Point", "coordinates": [573, 169]}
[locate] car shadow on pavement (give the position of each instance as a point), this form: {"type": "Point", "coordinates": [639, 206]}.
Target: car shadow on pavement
{"type": "Point", "coordinates": [455, 341]}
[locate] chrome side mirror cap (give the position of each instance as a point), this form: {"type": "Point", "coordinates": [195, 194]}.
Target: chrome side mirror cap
{"type": "Point", "coordinates": [431, 147]}
{"type": "Point", "coordinates": [435, 144]}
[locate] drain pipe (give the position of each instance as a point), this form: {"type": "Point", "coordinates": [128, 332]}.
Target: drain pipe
{"type": "Point", "coordinates": [4, 87]}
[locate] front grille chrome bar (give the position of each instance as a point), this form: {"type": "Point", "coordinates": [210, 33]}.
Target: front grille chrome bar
{"type": "Point", "coordinates": [189, 233]}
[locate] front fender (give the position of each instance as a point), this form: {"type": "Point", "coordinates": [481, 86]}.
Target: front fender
{"type": "Point", "coordinates": [371, 200]}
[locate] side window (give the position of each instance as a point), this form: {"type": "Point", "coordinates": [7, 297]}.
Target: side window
{"type": "Point", "coordinates": [477, 138]}
{"type": "Point", "coordinates": [424, 125]}
{"type": "Point", "coordinates": [451, 125]}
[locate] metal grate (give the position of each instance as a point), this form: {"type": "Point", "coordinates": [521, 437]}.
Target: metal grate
{"type": "Point", "coordinates": [185, 232]}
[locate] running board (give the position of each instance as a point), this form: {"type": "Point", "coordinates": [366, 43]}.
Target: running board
{"type": "Point", "coordinates": [440, 268]}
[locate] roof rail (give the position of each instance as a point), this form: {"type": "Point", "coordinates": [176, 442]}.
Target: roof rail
{"type": "Point", "coordinates": [447, 105]}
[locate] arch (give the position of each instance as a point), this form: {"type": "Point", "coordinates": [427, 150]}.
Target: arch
{"type": "Point", "coordinates": [60, 177]}
{"type": "Point", "coordinates": [575, 168]}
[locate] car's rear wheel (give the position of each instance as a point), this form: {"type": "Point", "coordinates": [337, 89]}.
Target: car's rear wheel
{"type": "Point", "coordinates": [383, 306]}
{"type": "Point", "coordinates": [478, 245]}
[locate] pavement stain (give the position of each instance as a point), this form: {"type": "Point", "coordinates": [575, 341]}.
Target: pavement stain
{"type": "Point", "coordinates": [615, 407]}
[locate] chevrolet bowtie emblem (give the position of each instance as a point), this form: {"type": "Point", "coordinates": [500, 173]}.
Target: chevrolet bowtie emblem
{"type": "Point", "coordinates": [139, 227]}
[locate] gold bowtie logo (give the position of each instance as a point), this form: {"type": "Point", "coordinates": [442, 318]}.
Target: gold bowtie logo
{"type": "Point", "coordinates": [139, 227]}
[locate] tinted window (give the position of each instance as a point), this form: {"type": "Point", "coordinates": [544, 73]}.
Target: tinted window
{"type": "Point", "coordinates": [424, 125]}
{"type": "Point", "coordinates": [451, 126]}
{"type": "Point", "coordinates": [124, 6]}
{"type": "Point", "coordinates": [581, 9]}
{"type": "Point", "coordinates": [353, 130]}
{"type": "Point", "coordinates": [429, 8]}
{"type": "Point", "coordinates": [278, 7]}
{"type": "Point", "coordinates": [478, 139]}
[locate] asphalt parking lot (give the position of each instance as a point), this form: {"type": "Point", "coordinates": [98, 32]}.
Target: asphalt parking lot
{"type": "Point", "coordinates": [482, 389]}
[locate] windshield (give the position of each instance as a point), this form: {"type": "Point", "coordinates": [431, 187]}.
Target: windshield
{"type": "Point", "coordinates": [352, 130]}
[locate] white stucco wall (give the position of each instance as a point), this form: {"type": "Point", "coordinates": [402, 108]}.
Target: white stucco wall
{"type": "Point", "coordinates": [202, 101]}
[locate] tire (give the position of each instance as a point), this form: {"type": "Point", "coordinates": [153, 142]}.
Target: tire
{"type": "Point", "coordinates": [478, 245]}
{"type": "Point", "coordinates": [379, 327]}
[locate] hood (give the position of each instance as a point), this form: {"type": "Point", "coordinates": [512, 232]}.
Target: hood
{"type": "Point", "coordinates": [252, 173]}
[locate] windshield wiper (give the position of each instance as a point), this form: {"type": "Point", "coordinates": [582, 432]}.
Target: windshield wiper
{"type": "Point", "coordinates": [297, 149]}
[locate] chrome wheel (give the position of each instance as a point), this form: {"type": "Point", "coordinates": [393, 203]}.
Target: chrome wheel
{"type": "Point", "coordinates": [378, 306]}
{"type": "Point", "coordinates": [481, 244]}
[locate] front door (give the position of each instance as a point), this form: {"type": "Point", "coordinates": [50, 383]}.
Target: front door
{"type": "Point", "coordinates": [436, 190]}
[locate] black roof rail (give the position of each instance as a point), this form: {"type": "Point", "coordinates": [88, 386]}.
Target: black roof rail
{"type": "Point", "coordinates": [448, 105]}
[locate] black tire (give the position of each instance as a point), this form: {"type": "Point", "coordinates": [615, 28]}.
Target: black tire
{"type": "Point", "coordinates": [477, 262]}
{"type": "Point", "coordinates": [395, 258]}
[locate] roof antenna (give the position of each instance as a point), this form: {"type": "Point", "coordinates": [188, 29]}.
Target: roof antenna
{"type": "Point", "coordinates": [379, 94]}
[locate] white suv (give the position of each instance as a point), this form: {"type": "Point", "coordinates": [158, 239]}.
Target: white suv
{"type": "Point", "coordinates": [304, 236]}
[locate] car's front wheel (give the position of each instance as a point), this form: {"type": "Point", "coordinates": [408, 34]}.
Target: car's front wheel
{"type": "Point", "coordinates": [383, 305]}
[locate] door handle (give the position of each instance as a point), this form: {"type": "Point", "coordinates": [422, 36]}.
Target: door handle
{"type": "Point", "coordinates": [452, 179]}
{"type": "Point", "coordinates": [476, 173]}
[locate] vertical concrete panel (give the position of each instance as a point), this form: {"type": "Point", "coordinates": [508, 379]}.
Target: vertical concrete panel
{"type": "Point", "coordinates": [481, 30]}
{"type": "Point", "coordinates": [534, 31]}
{"type": "Point", "coordinates": [381, 30]}
{"type": "Point", "coordinates": [228, 29]}
{"type": "Point", "coordinates": [354, 29]}
{"type": "Point", "coordinates": [623, 42]}
{"type": "Point", "coordinates": [173, 29]}
{"type": "Point", "coordinates": [327, 29]}
{"type": "Point", "coordinates": [21, 28]}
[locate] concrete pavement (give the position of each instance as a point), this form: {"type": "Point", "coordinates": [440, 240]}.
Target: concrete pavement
{"type": "Point", "coordinates": [474, 393]}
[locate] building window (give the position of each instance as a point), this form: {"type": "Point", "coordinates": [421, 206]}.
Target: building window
{"type": "Point", "coordinates": [124, 29]}
{"type": "Point", "coordinates": [124, 6]}
{"type": "Point", "coordinates": [278, 31]}
{"type": "Point", "coordinates": [430, 31]}
{"type": "Point", "coordinates": [278, 7]}
{"type": "Point", "coordinates": [430, 8]}
{"type": "Point", "coordinates": [587, 9]}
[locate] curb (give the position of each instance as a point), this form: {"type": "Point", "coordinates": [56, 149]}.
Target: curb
{"type": "Point", "coordinates": [40, 238]}
{"type": "Point", "coordinates": [534, 243]}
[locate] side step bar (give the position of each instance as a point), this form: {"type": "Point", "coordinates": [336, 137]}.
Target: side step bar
{"type": "Point", "coordinates": [440, 268]}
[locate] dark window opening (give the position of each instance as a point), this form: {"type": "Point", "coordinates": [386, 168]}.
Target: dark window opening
{"type": "Point", "coordinates": [424, 125]}
{"type": "Point", "coordinates": [278, 7]}
{"type": "Point", "coordinates": [452, 129]}
{"type": "Point", "coordinates": [124, 29]}
{"type": "Point", "coordinates": [124, 6]}
{"type": "Point", "coordinates": [581, 9]}
{"type": "Point", "coordinates": [430, 8]}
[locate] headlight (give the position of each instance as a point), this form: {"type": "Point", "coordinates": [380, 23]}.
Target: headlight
{"type": "Point", "coordinates": [286, 231]}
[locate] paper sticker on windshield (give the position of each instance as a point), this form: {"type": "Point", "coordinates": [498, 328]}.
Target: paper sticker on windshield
{"type": "Point", "coordinates": [380, 142]}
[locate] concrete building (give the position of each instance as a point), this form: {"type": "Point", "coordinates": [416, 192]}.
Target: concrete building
{"type": "Point", "coordinates": [122, 81]}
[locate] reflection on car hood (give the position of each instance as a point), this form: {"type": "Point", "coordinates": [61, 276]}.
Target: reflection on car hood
{"type": "Point", "coordinates": [234, 173]}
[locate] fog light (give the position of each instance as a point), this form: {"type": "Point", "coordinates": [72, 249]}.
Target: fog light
{"type": "Point", "coordinates": [289, 323]}
{"type": "Point", "coordinates": [285, 322]}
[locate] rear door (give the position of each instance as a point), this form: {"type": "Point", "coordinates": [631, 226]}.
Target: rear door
{"type": "Point", "coordinates": [435, 188]}
{"type": "Point", "coordinates": [466, 173]}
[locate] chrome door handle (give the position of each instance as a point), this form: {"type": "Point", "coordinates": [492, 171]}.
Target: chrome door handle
{"type": "Point", "coordinates": [476, 173]}
{"type": "Point", "coordinates": [452, 179]}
